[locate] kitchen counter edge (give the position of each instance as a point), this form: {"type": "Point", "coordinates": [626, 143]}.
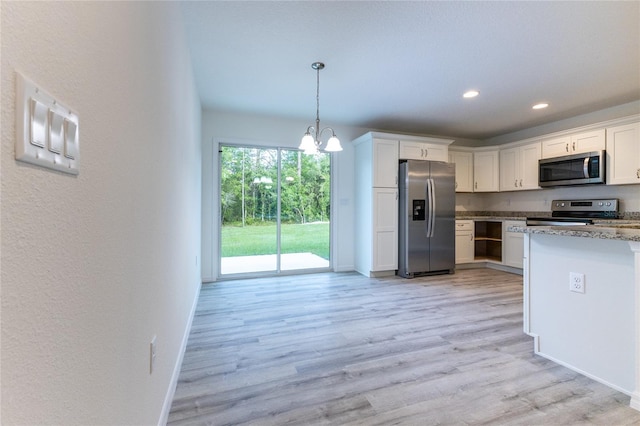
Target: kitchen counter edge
{"type": "Point", "coordinates": [602, 231]}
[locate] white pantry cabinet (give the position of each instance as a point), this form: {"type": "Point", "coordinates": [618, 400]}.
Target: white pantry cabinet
{"type": "Point", "coordinates": [623, 154]}
{"type": "Point", "coordinates": [385, 229]}
{"type": "Point", "coordinates": [519, 167]}
{"type": "Point", "coordinates": [415, 150]}
{"type": "Point", "coordinates": [464, 241]}
{"type": "Point", "coordinates": [376, 202]}
{"type": "Point", "coordinates": [593, 140]}
{"type": "Point", "coordinates": [464, 169]}
{"type": "Point", "coordinates": [486, 171]}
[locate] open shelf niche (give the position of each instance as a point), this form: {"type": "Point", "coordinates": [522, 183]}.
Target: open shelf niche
{"type": "Point", "coordinates": [488, 240]}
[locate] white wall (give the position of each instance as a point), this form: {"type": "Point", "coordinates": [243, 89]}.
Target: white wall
{"type": "Point", "coordinates": [261, 130]}
{"type": "Point", "coordinates": [94, 266]}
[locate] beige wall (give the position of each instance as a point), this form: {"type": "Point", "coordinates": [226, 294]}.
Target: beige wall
{"type": "Point", "coordinates": [94, 266]}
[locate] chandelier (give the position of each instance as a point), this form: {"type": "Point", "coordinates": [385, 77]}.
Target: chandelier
{"type": "Point", "coordinates": [310, 143]}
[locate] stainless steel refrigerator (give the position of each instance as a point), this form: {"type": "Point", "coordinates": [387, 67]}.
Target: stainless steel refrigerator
{"type": "Point", "coordinates": [426, 218]}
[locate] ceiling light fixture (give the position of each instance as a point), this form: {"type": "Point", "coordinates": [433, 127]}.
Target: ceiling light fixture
{"type": "Point", "coordinates": [540, 106]}
{"type": "Point", "coordinates": [310, 144]}
{"type": "Point", "coordinates": [471, 94]}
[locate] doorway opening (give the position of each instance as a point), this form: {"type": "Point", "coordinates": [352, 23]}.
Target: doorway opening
{"type": "Point", "coordinates": [275, 206]}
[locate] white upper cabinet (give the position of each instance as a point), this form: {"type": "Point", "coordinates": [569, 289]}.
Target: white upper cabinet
{"type": "Point", "coordinates": [385, 163]}
{"type": "Point", "coordinates": [519, 167]}
{"type": "Point", "coordinates": [486, 171]}
{"type": "Point", "coordinates": [415, 150]}
{"type": "Point", "coordinates": [623, 154]}
{"type": "Point", "coordinates": [464, 170]}
{"type": "Point", "coordinates": [574, 144]}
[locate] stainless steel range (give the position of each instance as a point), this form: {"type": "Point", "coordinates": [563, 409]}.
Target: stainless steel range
{"type": "Point", "coordinates": [577, 212]}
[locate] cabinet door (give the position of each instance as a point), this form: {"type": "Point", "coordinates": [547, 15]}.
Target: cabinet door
{"type": "Point", "coordinates": [556, 147]}
{"type": "Point", "coordinates": [464, 241]}
{"type": "Point", "coordinates": [385, 229]}
{"type": "Point", "coordinates": [529, 156]}
{"type": "Point", "coordinates": [485, 171]}
{"type": "Point", "coordinates": [410, 150]}
{"type": "Point", "coordinates": [464, 170]}
{"type": "Point", "coordinates": [435, 152]}
{"type": "Point", "coordinates": [623, 154]}
{"type": "Point", "coordinates": [385, 163]}
{"type": "Point", "coordinates": [588, 141]}
{"type": "Point", "coordinates": [510, 169]}
{"type": "Point", "coordinates": [513, 245]}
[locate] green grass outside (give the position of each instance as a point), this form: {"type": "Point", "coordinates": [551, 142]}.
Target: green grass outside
{"type": "Point", "coordinates": [261, 239]}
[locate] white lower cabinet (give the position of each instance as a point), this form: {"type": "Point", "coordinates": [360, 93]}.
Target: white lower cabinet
{"type": "Point", "coordinates": [464, 241]}
{"type": "Point", "coordinates": [488, 240]}
{"type": "Point", "coordinates": [513, 244]}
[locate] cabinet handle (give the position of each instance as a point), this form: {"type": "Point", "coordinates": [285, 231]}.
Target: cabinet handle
{"type": "Point", "coordinates": [520, 183]}
{"type": "Point", "coordinates": [574, 146]}
{"type": "Point", "coordinates": [471, 239]}
{"type": "Point", "coordinates": [515, 183]}
{"type": "Point", "coordinates": [426, 152]}
{"type": "Point", "coordinates": [638, 173]}
{"type": "Point", "coordinates": [476, 185]}
{"type": "Point", "coordinates": [566, 147]}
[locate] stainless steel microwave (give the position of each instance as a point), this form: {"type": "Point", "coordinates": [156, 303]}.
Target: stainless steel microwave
{"type": "Point", "coordinates": [576, 169]}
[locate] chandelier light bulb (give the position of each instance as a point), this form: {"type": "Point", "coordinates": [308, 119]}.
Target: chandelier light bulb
{"type": "Point", "coordinates": [333, 144]}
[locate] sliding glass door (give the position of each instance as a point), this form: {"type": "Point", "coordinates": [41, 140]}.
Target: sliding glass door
{"type": "Point", "coordinates": [274, 210]}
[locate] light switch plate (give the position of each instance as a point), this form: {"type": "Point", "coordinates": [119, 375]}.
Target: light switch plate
{"type": "Point", "coordinates": [46, 130]}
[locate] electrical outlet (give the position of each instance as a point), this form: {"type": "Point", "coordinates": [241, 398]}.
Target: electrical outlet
{"type": "Point", "coordinates": [152, 354]}
{"type": "Point", "coordinates": [576, 282]}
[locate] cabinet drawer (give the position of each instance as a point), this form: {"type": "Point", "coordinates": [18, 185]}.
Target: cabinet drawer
{"type": "Point", "coordinates": [464, 225]}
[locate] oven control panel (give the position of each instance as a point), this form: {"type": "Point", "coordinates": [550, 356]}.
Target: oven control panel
{"type": "Point", "coordinates": [607, 207]}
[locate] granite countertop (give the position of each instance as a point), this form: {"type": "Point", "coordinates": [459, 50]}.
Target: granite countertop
{"type": "Point", "coordinates": [627, 231]}
{"type": "Point", "coordinates": [490, 218]}
{"type": "Point", "coordinates": [626, 228]}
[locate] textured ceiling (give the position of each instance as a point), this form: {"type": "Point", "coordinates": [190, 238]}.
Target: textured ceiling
{"type": "Point", "coordinates": [403, 66]}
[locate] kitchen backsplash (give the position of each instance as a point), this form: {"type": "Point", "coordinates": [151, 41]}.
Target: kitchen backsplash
{"type": "Point", "coordinates": [537, 201]}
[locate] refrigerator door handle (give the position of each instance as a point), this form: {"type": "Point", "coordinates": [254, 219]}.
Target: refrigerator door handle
{"type": "Point", "coordinates": [432, 214]}
{"type": "Point", "coordinates": [431, 202]}
{"type": "Point", "coordinates": [428, 197]}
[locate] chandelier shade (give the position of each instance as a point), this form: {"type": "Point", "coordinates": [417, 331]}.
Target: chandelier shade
{"type": "Point", "coordinates": [311, 142]}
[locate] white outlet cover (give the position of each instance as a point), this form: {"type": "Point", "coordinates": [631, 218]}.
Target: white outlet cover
{"type": "Point", "coordinates": [44, 129]}
{"type": "Point", "coordinates": [576, 282]}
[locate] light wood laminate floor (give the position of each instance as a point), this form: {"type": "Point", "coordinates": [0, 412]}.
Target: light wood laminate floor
{"type": "Point", "coordinates": [342, 349]}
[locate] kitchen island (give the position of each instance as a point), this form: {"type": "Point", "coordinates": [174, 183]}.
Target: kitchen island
{"type": "Point", "coordinates": [595, 332]}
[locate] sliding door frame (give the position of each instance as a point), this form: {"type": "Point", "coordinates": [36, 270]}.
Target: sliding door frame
{"type": "Point", "coordinates": [218, 214]}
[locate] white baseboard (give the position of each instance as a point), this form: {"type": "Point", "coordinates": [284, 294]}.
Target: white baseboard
{"type": "Point", "coordinates": [171, 391]}
{"type": "Point", "coordinates": [635, 401]}
{"type": "Point", "coordinates": [591, 376]}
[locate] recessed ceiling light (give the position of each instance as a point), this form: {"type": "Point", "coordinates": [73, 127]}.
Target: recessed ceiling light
{"type": "Point", "coordinates": [471, 94]}
{"type": "Point", "coordinates": [540, 106]}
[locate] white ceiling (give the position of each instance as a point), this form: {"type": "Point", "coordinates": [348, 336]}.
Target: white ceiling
{"type": "Point", "coordinates": [403, 66]}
